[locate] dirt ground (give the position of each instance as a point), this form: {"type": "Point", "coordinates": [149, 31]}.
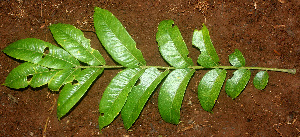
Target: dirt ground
{"type": "Point", "coordinates": [265, 31]}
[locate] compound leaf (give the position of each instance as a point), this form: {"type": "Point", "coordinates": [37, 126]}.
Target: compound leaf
{"type": "Point", "coordinates": [171, 94]}
{"type": "Point", "coordinates": [35, 51]}
{"type": "Point", "coordinates": [139, 95]}
{"type": "Point", "coordinates": [171, 45]}
{"type": "Point", "coordinates": [237, 59]}
{"type": "Point", "coordinates": [115, 95]}
{"type": "Point", "coordinates": [18, 77]}
{"type": "Point", "coordinates": [260, 80]}
{"type": "Point", "coordinates": [208, 57]}
{"type": "Point", "coordinates": [73, 41]}
{"type": "Point", "coordinates": [62, 77]}
{"type": "Point", "coordinates": [116, 39]}
{"type": "Point", "coordinates": [72, 92]}
{"type": "Point", "coordinates": [209, 88]}
{"type": "Point", "coordinates": [237, 83]}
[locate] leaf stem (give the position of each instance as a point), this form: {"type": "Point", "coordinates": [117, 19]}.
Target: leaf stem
{"type": "Point", "coordinates": [104, 66]}
{"type": "Point", "coordinates": [292, 71]}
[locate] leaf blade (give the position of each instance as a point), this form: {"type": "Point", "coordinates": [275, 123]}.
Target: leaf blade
{"type": "Point", "coordinates": [62, 77]}
{"type": "Point", "coordinates": [237, 59]}
{"type": "Point", "coordinates": [171, 45]}
{"type": "Point", "coordinates": [116, 39]}
{"type": "Point", "coordinates": [209, 88]}
{"type": "Point", "coordinates": [171, 94]}
{"type": "Point", "coordinates": [17, 78]}
{"type": "Point", "coordinates": [72, 93]}
{"type": "Point", "coordinates": [42, 78]}
{"type": "Point", "coordinates": [205, 60]}
{"type": "Point", "coordinates": [139, 95]}
{"type": "Point", "coordinates": [235, 85]}
{"type": "Point", "coordinates": [115, 95]}
{"type": "Point", "coordinates": [73, 41]}
{"type": "Point", "coordinates": [260, 80]}
{"type": "Point", "coordinates": [201, 40]}
{"type": "Point", "coordinates": [32, 50]}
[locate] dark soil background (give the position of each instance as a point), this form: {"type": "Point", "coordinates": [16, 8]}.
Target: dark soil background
{"type": "Point", "coordinates": [265, 31]}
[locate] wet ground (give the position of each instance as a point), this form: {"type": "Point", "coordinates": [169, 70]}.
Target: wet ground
{"type": "Point", "coordinates": [265, 31]}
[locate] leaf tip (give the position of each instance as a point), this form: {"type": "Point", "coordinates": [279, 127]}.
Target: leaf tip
{"type": "Point", "coordinates": [97, 8]}
{"type": "Point", "coordinates": [59, 117]}
{"type": "Point", "coordinates": [233, 98]}
{"type": "Point", "coordinates": [101, 124]}
{"type": "Point", "coordinates": [127, 127]}
{"type": "Point", "coordinates": [292, 71]}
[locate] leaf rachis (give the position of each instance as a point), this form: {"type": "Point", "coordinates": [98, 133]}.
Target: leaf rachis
{"type": "Point", "coordinates": [61, 69]}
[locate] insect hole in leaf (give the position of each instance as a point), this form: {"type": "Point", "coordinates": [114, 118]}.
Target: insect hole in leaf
{"type": "Point", "coordinates": [137, 82]}
{"type": "Point", "coordinates": [46, 51]}
{"type": "Point", "coordinates": [75, 82]}
{"type": "Point", "coordinates": [29, 77]}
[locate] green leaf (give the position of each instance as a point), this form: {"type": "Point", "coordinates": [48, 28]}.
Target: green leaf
{"type": "Point", "coordinates": [72, 92]}
{"type": "Point", "coordinates": [208, 57]}
{"type": "Point", "coordinates": [42, 78]}
{"type": "Point", "coordinates": [116, 39]}
{"type": "Point", "coordinates": [209, 88]}
{"type": "Point", "coordinates": [260, 80]}
{"type": "Point", "coordinates": [139, 95]}
{"type": "Point", "coordinates": [18, 77]}
{"type": "Point", "coordinates": [237, 59]}
{"type": "Point", "coordinates": [115, 95]}
{"type": "Point", "coordinates": [73, 41]}
{"type": "Point", "coordinates": [237, 83]}
{"type": "Point", "coordinates": [62, 77]}
{"type": "Point", "coordinates": [205, 60]}
{"type": "Point", "coordinates": [171, 94]}
{"type": "Point", "coordinates": [35, 51]}
{"type": "Point", "coordinates": [171, 45]}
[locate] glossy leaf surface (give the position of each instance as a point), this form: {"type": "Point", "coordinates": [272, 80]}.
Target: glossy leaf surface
{"type": "Point", "coordinates": [171, 94]}
{"type": "Point", "coordinates": [18, 77]}
{"type": "Point", "coordinates": [205, 60]}
{"type": "Point", "coordinates": [261, 79]}
{"type": "Point", "coordinates": [73, 41]}
{"type": "Point", "coordinates": [62, 77]}
{"type": "Point", "coordinates": [237, 59]}
{"type": "Point", "coordinates": [115, 95]}
{"type": "Point", "coordinates": [208, 57]}
{"type": "Point", "coordinates": [209, 88]}
{"type": "Point", "coordinates": [72, 92]}
{"type": "Point", "coordinates": [235, 85]}
{"type": "Point", "coordinates": [139, 95]}
{"type": "Point", "coordinates": [36, 51]}
{"type": "Point", "coordinates": [171, 45]}
{"type": "Point", "coordinates": [42, 78]}
{"type": "Point", "coordinates": [116, 39]}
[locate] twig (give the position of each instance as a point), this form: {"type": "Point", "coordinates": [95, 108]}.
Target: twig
{"type": "Point", "coordinates": [51, 110]}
